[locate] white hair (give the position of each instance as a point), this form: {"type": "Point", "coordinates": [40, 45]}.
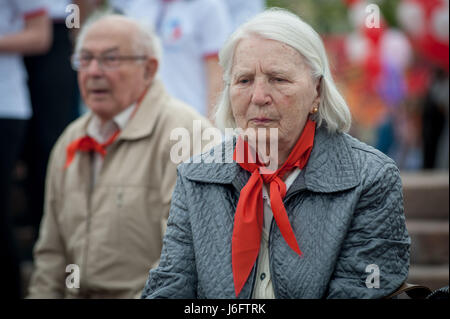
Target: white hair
{"type": "Point", "coordinates": [281, 25]}
{"type": "Point", "coordinates": [145, 42]}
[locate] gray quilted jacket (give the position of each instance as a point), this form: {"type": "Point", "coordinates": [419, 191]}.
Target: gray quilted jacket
{"type": "Point", "coordinates": [346, 210]}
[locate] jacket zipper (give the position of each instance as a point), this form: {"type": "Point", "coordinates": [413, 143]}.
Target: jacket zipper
{"type": "Point", "coordinates": [269, 247]}
{"type": "Point", "coordinates": [254, 277]}
{"type": "Point", "coordinates": [86, 249]}
{"type": "Point", "coordinates": [90, 192]}
{"type": "Point", "coordinates": [270, 259]}
{"type": "Point", "coordinates": [290, 195]}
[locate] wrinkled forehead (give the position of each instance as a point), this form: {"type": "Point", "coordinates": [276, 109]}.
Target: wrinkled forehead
{"type": "Point", "coordinates": [255, 49]}
{"type": "Point", "coordinates": [107, 35]}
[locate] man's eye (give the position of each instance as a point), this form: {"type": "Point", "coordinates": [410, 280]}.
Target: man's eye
{"type": "Point", "coordinates": [86, 58]}
{"type": "Point", "coordinates": [277, 79]}
{"type": "Point", "coordinates": [243, 81]}
{"type": "Point", "coordinates": [110, 59]}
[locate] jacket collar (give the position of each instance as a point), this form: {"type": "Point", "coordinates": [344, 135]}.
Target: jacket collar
{"type": "Point", "coordinates": [330, 167]}
{"type": "Point", "coordinates": [143, 122]}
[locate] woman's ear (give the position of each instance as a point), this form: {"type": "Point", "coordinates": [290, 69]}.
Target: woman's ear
{"type": "Point", "coordinates": [318, 91]}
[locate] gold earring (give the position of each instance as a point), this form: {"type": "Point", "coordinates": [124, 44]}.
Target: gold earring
{"type": "Point", "coordinates": [315, 110]}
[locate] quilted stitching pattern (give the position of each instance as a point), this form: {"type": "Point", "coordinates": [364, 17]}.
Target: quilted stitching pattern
{"type": "Point", "coordinates": [346, 209]}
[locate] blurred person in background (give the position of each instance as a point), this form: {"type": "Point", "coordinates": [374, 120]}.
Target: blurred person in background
{"type": "Point", "coordinates": [435, 122]}
{"type": "Point", "coordinates": [54, 100]}
{"type": "Point", "coordinates": [24, 29]}
{"type": "Point", "coordinates": [110, 176]}
{"type": "Point", "coordinates": [240, 11]}
{"type": "Point", "coordinates": [192, 33]}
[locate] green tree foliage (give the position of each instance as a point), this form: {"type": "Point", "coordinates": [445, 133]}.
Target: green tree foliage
{"type": "Point", "coordinates": [331, 16]}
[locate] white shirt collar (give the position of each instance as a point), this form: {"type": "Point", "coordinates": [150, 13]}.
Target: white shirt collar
{"type": "Point", "coordinates": [291, 176]}
{"type": "Point", "coordinates": [102, 133]}
{"type": "Point", "coordinates": [268, 214]}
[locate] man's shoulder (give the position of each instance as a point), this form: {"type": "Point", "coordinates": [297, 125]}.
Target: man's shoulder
{"type": "Point", "coordinates": [165, 112]}
{"type": "Point", "coordinates": [176, 113]}
{"type": "Point", "coordinates": [74, 130]}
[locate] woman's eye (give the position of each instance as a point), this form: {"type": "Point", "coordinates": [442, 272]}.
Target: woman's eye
{"type": "Point", "coordinates": [279, 79]}
{"type": "Point", "coordinates": [243, 81]}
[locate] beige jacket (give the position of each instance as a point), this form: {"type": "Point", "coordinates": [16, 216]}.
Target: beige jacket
{"type": "Point", "coordinates": [114, 232]}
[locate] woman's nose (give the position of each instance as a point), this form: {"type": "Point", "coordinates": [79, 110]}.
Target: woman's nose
{"type": "Point", "coordinates": [261, 93]}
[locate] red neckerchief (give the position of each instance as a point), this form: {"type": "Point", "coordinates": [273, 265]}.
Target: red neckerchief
{"type": "Point", "coordinates": [88, 144]}
{"type": "Point", "coordinates": [248, 219]}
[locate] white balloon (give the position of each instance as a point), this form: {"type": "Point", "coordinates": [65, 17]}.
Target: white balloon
{"type": "Point", "coordinates": [439, 24]}
{"type": "Point", "coordinates": [411, 17]}
{"type": "Point", "coordinates": [356, 47]}
{"type": "Point", "coordinates": [396, 49]}
{"type": "Point", "coordinates": [357, 14]}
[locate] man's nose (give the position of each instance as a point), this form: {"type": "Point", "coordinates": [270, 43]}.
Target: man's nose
{"type": "Point", "coordinates": [261, 93]}
{"type": "Point", "coordinates": [94, 68]}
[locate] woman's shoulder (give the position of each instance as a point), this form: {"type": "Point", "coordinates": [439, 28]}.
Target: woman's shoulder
{"type": "Point", "coordinates": [345, 152]}
{"type": "Point", "coordinates": [338, 146]}
{"type": "Point", "coordinates": [372, 164]}
{"type": "Point", "coordinates": [369, 153]}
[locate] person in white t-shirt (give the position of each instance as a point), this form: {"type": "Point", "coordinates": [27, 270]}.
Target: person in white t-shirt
{"type": "Point", "coordinates": [54, 100]}
{"type": "Point", "coordinates": [24, 29]}
{"type": "Point", "coordinates": [192, 33]}
{"type": "Point", "coordinates": [240, 11]}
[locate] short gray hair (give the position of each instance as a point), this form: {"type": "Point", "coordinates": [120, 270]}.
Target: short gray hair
{"type": "Point", "coordinates": [145, 41]}
{"type": "Point", "coordinates": [283, 26]}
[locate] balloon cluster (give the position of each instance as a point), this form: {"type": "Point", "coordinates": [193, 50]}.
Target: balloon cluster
{"type": "Point", "coordinates": [427, 23]}
{"type": "Point", "coordinates": [384, 53]}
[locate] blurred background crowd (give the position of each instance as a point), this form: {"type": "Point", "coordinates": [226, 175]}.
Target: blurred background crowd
{"type": "Point", "coordinates": [390, 59]}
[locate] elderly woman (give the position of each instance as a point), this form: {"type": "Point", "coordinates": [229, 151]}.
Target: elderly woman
{"type": "Point", "coordinates": [328, 222]}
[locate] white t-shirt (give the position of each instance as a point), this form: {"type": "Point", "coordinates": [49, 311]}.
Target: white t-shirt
{"type": "Point", "coordinates": [240, 11]}
{"type": "Point", "coordinates": [57, 8]}
{"type": "Point", "coordinates": [190, 30]}
{"type": "Point", "coordinates": [122, 5]}
{"type": "Point", "coordinates": [14, 96]}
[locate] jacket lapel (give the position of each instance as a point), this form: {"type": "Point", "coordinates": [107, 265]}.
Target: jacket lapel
{"type": "Point", "coordinates": [144, 121]}
{"type": "Point", "coordinates": [331, 167]}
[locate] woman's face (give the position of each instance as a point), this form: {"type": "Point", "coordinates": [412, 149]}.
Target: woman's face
{"type": "Point", "coordinates": [271, 87]}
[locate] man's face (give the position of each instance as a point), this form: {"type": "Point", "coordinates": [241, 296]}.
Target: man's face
{"type": "Point", "coordinates": [108, 91]}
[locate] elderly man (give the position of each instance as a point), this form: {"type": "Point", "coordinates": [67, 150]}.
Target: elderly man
{"type": "Point", "coordinates": [110, 176]}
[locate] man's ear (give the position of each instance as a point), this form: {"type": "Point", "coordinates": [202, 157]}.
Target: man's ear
{"type": "Point", "coordinates": [151, 67]}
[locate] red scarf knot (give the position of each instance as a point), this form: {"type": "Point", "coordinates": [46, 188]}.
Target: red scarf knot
{"type": "Point", "coordinates": [87, 144]}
